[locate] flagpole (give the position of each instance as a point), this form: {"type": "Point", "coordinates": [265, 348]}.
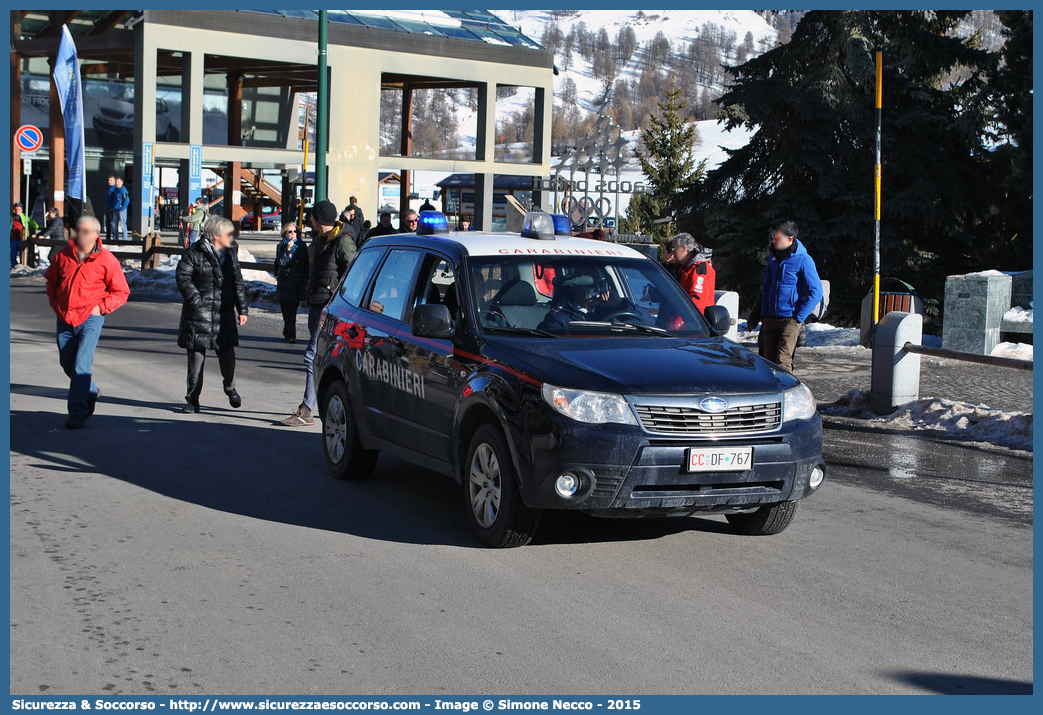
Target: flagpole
{"type": "Point", "coordinates": [876, 182]}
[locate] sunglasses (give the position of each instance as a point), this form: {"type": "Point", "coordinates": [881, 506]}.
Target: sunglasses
{"type": "Point", "coordinates": [291, 233]}
{"type": "Point", "coordinates": [411, 220]}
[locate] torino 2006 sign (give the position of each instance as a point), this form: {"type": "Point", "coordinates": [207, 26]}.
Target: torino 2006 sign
{"type": "Point", "coordinates": [589, 195]}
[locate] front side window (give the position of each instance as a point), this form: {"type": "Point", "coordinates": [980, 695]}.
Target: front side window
{"type": "Point", "coordinates": [596, 296]}
{"type": "Point", "coordinates": [438, 285]}
{"type": "Point", "coordinates": [354, 286]}
{"type": "Point", "coordinates": [391, 290]}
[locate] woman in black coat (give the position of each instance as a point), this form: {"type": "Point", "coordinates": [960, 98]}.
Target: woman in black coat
{"type": "Point", "coordinates": [291, 275]}
{"type": "Point", "coordinates": [211, 283]}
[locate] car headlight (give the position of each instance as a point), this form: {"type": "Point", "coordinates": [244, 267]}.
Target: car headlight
{"type": "Point", "coordinates": [590, 407]}
{"type": "Point", "coordinates": [798, 404]}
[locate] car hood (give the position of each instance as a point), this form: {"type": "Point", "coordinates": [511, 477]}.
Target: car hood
{"type": "Point", "coordinates": [642, 365]}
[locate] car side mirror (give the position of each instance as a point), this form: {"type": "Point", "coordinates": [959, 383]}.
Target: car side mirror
{"type": "Point", "coordinates": [718, 318]}
{"type": "Point", "coordinates": [432, 320]}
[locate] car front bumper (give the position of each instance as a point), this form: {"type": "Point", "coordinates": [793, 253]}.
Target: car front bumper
{"type": "Point", "coordinates": [626, 471]}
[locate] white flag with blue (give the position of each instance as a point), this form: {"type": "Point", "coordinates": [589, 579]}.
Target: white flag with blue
{"type": "Point", "coordinates": [70, 95]}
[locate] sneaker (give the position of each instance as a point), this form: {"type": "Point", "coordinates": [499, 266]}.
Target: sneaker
{"type": "Point", "coordinates": [234, 399]}
{"type": "Point", "coordinates": [92, 401]}
{"type": "Point", "coordinates": [190, 406]}
{"type": "Point", "coordinates": [75, 422]}
{"type": "Point", "coordinates": [301, 418]}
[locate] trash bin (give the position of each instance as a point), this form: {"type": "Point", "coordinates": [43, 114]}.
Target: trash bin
{"type": "Point", "coordinates": [895, 295]}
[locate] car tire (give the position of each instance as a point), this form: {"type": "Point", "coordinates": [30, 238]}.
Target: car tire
{"type": "Point", "coordinates": [344, 454]}
{"type": "Point", "coordinates": [491, 496]}
{"type": "Point", "coordinates": [767, 520]}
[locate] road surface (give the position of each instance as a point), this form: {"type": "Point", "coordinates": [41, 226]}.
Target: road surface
{"type": "Point", "coordinates": [161, 553]}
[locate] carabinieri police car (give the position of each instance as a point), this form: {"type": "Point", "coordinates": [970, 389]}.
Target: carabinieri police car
{"type": "Point", "coordinates": [543, 371]}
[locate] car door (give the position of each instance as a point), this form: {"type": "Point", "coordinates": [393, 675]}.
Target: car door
{"type": "Point", "coordinates": [383, 382]}
{"type": "Point", "coordinates": [429, 408]}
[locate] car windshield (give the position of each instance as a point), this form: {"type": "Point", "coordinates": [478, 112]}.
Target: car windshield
{"type": "Point", "coordinates": [596, 296]}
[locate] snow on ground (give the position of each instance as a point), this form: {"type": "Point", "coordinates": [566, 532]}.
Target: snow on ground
{"type": "Point", "coordinates": [960, 420]}
{"type": "Point", "coordinates": [1018, 351]}
{"type": "Point", "coordinates": [260, 285]}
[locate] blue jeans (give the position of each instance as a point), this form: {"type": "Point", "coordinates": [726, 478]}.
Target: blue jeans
{"type": "Point", "coordinates": [16, 252]}
{"type": "Point", "coordinates": [76, 345]}
{"type": "Point", "coordinates": [121, 215]}
{"type": "Point", "coordinates": [110, 221]}
{"type": "Point", "coordinates": [311, 400]}
{"type": "Point", "coordinates": [193, 236]}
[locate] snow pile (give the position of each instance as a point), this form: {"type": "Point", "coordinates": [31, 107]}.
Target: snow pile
{"type": "Point", "coordinates": [1017, 314]}
{"type": "Point", "coordinates": [161, 281]}
{"type": "Point", "coordinates": [984, 274]}
{"type": "Point", "coordinates": [961, 420]}
{"type": "Point", "coordinates": [1018, 351]}
{"type": "Point", "coordinates": [826, 335]}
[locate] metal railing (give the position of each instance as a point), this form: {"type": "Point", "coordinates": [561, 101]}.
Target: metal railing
{"type": "Point", "coordinates": [148, 250]}
{"type": "Point", "coordinates": [993, 360]}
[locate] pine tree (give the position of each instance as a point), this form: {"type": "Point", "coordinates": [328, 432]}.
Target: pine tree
{"type": "Point", "coordinates": [668, 145]}
{"type": "Point", "coordinates": [811, 105]}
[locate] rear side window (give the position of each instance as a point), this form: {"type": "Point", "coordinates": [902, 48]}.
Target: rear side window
{"type": "Point", "coordinates": [354, 286]}
{"type": "Point", "coordinates": [393, 287]}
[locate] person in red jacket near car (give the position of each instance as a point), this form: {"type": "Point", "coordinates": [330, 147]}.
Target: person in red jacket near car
{"type": "Point", "coordinates": [695, 273]}
{"type": "Point", "coordinates": [84, 284]}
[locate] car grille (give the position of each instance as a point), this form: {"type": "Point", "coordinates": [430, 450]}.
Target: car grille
{"type": "Point", "coordinates": [113, 113]}
{"type": "Point", "coordinates": [690, 420]}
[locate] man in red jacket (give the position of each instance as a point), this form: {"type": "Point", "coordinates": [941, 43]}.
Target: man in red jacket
{"type": "Point", "coordinates": [84, 284]}
{"type": "Point", "coordinates": [695, 273]}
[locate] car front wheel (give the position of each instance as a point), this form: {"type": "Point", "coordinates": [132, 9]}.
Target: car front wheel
{"type": "Point", "coordinates": [765, 521]}
{"type": "Point", "coordinates": [345, 456]}
{"type": "Point", "coordinates": [493, 502]}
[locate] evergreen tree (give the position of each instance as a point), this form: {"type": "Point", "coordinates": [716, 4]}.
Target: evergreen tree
{"type": "Point", "coordinates": [667, 152]}
{"type": "Point", "coordinates": [1011, 162]}
{"type": "Point", "coordinates": [811, 105]}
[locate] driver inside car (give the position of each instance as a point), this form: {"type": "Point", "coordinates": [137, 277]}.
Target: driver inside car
{"type": "Point", "coordinates": [578, 298]}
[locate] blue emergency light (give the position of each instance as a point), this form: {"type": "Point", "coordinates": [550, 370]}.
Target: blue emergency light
{"type": "Point", "coordinates": [432, 222]}
{"type": "Point", "coordinates": [562, 225]}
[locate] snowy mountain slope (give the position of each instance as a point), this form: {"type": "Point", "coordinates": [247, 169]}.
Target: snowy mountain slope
{"type": "Point", "coordinates": [679, 26]}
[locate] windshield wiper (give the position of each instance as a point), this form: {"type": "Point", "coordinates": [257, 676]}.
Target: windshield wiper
{"type": "Point", "coordinates": [521, 331]}
{"type": "Point", "coordinates": [618, 325]}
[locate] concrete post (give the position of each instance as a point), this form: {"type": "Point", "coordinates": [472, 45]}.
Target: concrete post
{"type": "Point", "coordinates": [730, 300]}
{"type": "Point", "coordinates": [145, 61]}
{"type": "Point", "coordinates": [191, 119]}
{"type": "Point", "coordinates": [973, 311]}
{"type": "Point", "coordinates": [895, 377]}
{"type": "Point", "coordinates": [483, 202]}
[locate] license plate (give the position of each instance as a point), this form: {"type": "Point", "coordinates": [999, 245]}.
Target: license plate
{"type": "Point", "coordinates": [731, 459]}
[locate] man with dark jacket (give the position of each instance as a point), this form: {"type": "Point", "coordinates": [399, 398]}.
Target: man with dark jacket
{"type": "Point", "coordinates": [211, 283]}
{"type": "Point", "coordinates": [55, 231]}
{"type": "Point", "coordinates": [384, 228]}
{"type": "Point", "coordinates": [84, 284]}
{"type": "Point", "coordinates": [330, 254]}
{"type": "Point", "coordinates": [357, 221]}
{"type": "Point", "coordinates": [789, 293]}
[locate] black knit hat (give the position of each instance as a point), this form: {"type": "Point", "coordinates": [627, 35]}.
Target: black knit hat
{"type": "Point", "coordinates": [325, 213]}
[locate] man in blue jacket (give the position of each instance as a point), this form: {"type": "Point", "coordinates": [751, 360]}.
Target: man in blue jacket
{"type": "Point", "coordinates": [110, 207]}
{"type": "Point", "coordinates": [790, 292]}
{"type": "Point", "coordinates": [120, 205]}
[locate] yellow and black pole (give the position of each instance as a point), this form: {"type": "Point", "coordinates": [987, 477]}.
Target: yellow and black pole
{"type": "Point", "coordinates": [876, 181]}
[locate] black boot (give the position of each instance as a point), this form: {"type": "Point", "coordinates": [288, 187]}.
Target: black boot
{"type": "Point", "coordinates": [233, 397]}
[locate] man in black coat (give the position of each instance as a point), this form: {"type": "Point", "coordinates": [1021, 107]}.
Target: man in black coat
{"type": "Point", "coordinates": [331, 253]}
{"type": "Point", "coordinates": [211, 283]}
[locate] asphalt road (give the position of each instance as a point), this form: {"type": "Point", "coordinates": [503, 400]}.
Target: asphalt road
{"type": "Point", "coordinates": [161, 553]}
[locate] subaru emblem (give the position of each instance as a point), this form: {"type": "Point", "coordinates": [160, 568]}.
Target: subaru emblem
{"type": "Point", "coordinates": [713, 404]}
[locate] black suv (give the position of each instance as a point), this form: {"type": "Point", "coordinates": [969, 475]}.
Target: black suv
{"type": "Point", "coordinates": [543, 371]}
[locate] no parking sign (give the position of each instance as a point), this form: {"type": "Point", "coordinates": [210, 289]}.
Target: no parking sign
{"type": "Point", "coordinates": [28, 138]}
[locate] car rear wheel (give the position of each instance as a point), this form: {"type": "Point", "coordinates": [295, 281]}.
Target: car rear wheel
{"type": "Point", "coordinates": [345, 456]}
{"type": "Point", "coordinates": [765, 521]}
{"type": "Point", "coordinates": [494, 505]}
